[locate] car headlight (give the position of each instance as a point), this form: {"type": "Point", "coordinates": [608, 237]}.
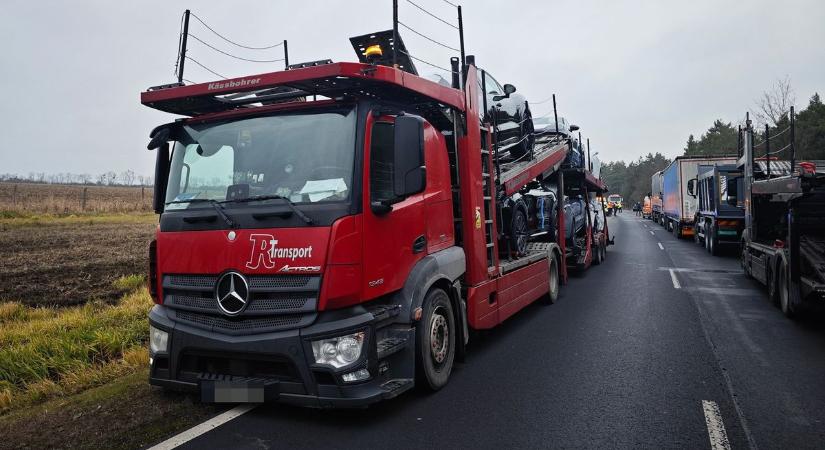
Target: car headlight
{"type": "Point", "coordinates": [158, 340]}
{"type": "Point", "coordinates": [339, 351]}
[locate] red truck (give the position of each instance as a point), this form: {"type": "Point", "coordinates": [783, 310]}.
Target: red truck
{"type": "Point", "coordinates": [329, 235]}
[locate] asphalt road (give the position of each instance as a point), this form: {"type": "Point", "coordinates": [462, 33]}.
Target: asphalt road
{"type": "Point", "coordinates": [624, 359]}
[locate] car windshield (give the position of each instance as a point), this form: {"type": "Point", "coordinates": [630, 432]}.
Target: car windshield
{"type": "Point", "coordinates": [305, 157]}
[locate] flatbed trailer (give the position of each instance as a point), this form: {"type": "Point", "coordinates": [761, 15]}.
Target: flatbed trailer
{"type": "Point", "coordinates": [396, 255]}
{"type": "Point", "coordinates": [783, 243]}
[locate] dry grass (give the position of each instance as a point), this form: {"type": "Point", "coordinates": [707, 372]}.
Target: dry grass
{"type": "Point", "coordinates": [21, 199]}
{"type": "Point", "coordinates": [52, 352]}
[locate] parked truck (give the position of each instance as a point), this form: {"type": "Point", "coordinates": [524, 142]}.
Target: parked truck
{"type": "Point", "coordinates": [656, 193]}
{"type": "Point", "coordinates": [329, 234]}
{"type": "Point", "coordinates": [678, 206]}
{"type": "Point", "coordinates": [783, 243]}
{"type": "Point", "coordinates": [720, 215]}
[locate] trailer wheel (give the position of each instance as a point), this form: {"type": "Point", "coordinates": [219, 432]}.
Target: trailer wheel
{"type": "Point", "coordinates": [696, 239]}
{"type": "Point", "coordinates": [743, 260]}
{"type": "Point", "coordinates": [788, 295]}
{"type": "Point", "coordinates": [435, 336]}
{"type": "Point", "coordinates": [597, 254]}
{"type": "Point", "coordinates": [552, 279]}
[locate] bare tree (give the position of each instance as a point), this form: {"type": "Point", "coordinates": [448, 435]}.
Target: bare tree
{"type": "Point", "coordinates": [774, 104]}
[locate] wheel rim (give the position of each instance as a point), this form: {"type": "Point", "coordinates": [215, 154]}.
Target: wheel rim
{"type": "Point", "coordinates": [439, 337]}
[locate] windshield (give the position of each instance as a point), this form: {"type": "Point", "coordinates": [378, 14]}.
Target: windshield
{"type": "Point", "coordinates": [305, 157]}
{"type": "Point", "coordinates": [614, 198]}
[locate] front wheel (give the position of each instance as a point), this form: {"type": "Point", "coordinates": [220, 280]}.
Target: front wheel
{"type": "Point", "coordinates": [435, 336]}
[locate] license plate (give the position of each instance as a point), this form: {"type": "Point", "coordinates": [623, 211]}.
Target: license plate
{"type": "Point", "coordinates": [232, 392]}
{"type": "Point", "coordinates": [727, 232]}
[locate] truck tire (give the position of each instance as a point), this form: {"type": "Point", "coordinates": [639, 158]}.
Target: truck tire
{"type": "Point", "coordinates": [696, 239]}
{"type": "Point", "coordinates": [788, 294]}
{"type": "Point", "coordinates": [677, 230]}
{"type": "Point", "coordinates": [597, 254]}
{"type": "Point", "coordinates": [743, 259]}
{"type": "Point", "coordinates": [712, 241]}
{"type": "Point", "coordinates": [435, 338]}
{"type": "Point", "coordinates": [552, 279]}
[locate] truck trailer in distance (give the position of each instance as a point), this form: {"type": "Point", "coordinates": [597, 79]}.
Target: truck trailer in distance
{"type": "Point", "coordinates": [720, 216]}
{"type": "Point", "coordinates": [678, 206]}
{"type": "Point", "coordinates": [656, 198]}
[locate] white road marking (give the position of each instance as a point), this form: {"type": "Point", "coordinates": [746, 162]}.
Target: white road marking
{"type": "Point", "coordinates": [661, 247]}
{"type": "Point", "coordinates": [676, 284]}
{"type": "Point", "coordinates": [716, 429]}
{"type": "Point", "coordinates": [651, 232]}
{"type": "Point", "coordinates": [209, 425]}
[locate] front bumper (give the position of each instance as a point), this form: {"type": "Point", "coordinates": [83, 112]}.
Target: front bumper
{"type": "Point", "coordinates": [279, 366]}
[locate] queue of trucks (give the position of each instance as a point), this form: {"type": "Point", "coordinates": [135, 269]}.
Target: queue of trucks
{"type": "Point", "coordinates": [770, 209]}
{"type": "Point", "coordinates": [331, 235]}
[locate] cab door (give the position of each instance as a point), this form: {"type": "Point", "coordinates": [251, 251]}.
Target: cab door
{"type": "Point", "coordinates": [394, 228]}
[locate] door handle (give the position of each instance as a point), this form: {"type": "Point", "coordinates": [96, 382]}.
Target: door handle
{"type": "Point", "coordinates": [419, 244]}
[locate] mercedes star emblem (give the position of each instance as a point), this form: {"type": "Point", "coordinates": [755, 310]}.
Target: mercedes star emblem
{"type": "Point", "coordinates": [232, 293]}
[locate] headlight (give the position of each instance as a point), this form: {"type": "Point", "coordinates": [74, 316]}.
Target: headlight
{"type": "Point", "coordinates": [158, 340]}
{"type": "Point", "coordinates": [340, 351]}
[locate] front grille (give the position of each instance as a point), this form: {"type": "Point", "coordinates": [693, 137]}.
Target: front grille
{"type": "Point", "coordinates": [257, 324]}
{"type": "Point", "coordinates": [276, 302]}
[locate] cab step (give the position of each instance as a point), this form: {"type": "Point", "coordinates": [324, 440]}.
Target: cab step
{"type": "Point", "coordinates": [396, 386]}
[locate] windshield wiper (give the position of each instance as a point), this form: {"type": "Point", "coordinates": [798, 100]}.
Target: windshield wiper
{"type": "Point", "coordinates": [215, 204]}
{"type": "Point", "coordinates": [292, 206]}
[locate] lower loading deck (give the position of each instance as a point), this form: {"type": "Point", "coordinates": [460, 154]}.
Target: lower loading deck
{"type": "Point", "coordinates": [518, 283]}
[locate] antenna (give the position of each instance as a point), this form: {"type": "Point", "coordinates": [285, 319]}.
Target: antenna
{"type": "Point", "coordinates": [182, 48]}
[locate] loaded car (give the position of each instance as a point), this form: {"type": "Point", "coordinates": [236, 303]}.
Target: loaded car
{"type": "Point", "coordinates": [510, 114]}
{"type": "Point", "coordinates": [546, 125]}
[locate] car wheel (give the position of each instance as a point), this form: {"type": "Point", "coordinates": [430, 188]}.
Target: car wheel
{"type": "Point", "coordinates": [526, 137]}
{"type": "Point", "coordinates": [518, 229]}
{"type": "Point", "coordinates": [435, 336]}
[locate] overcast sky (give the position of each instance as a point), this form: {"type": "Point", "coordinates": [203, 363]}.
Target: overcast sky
{"type": "Point", "coordinates": [637, 76]}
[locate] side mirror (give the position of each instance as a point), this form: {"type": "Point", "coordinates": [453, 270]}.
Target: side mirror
{"type": "Point", "coordinates": [409, 173]}
{"type": "Point", "coordinates": [691, 187]}
{"type": "Point", "coordinates": [573, 128]}
{"type": "Point", "coordinates": [161, 177]}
